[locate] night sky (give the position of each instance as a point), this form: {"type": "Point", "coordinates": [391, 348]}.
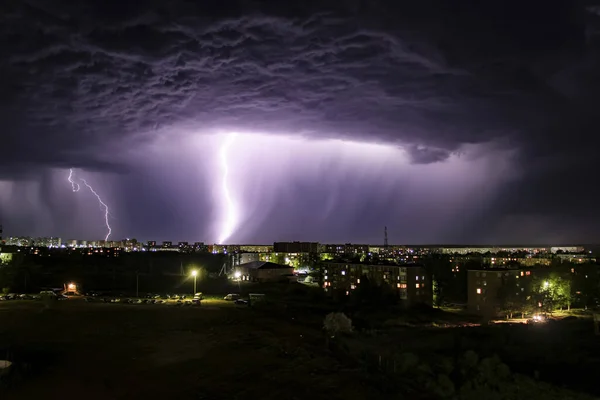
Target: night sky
{"type": "Point", "coordinates": [251, 122]}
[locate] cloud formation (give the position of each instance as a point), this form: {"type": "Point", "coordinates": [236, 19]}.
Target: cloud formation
{"type": "Point", "coordinates": [82, 84]}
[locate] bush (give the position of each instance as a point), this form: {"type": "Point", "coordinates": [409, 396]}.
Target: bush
{"type": "Point", "coordinates": [337, 324]}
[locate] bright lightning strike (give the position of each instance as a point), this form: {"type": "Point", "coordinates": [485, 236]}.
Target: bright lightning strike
{"type": "Point", "coordinates": [74, 184]}
{"type": "Point", "coordinates": [231, 213]}
{"type": "Point", "coordinates": [102, 205]}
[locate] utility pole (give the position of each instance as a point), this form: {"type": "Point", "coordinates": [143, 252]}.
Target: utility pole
{"type": "Point", "coordinates": [137, 284]}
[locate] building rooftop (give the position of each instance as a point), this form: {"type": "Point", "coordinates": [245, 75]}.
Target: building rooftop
{"type": "Point", "coordinates": [380, 264]}
{"type": "Point", "coordinates": [262, 265]}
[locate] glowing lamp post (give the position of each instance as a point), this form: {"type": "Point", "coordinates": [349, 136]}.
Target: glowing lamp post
{"type": "Point", "coordinates": [194, 274]}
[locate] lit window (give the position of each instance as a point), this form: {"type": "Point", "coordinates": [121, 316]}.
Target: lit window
{"type": "Point", "coordinates": [528, 273]}
{"type": "Point", "coordinates": [325, 277]}
{"type": "Point", "coordinates": [417, 285]}
{"type": "Point", "coordinates": [522, 273]}
{"type": "Point", "coordinates": [422, 278]}
{"type": "Point", "coordinates": [358, 280]}
{"type": "Point", "coordinates": [416, 278]}
{"type": "Point", "coordinates": [478, 290]}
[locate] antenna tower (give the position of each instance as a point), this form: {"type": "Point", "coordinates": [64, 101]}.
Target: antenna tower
{"type": "Point", "coordinates": [385, 237]}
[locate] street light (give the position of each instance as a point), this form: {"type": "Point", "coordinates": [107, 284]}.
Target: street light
{"type": "Point", "coordinates": [194, 274]}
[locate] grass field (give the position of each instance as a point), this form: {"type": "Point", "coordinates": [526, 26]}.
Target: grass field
{"type": "Point", "coordinates": [216, 351]}
{"type": "Point", "coordinates": [222, 351]}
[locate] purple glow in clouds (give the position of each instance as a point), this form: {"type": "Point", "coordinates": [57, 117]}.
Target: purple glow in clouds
{"type": "Point", "coordinates": [298, 184]}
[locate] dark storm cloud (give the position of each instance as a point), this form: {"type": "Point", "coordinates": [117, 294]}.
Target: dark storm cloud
{"type": "Point", "coordinates": [79, 80]}
{"type": "Point", "coordinates": [83, 73]}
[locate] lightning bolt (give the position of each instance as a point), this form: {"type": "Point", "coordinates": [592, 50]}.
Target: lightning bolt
{"type": "Point", "coordinates": [74, 184]}
{"type": "Point", "coordinates": [102, 205]}
{"type": "Point", "coordinates": [231, 213]}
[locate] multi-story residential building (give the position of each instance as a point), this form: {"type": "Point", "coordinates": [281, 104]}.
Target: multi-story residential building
{"type": "Point", "coordinates": [200, 247]}
{"type": "Point", "coordinates": [243, 258]}
{"type": "Point", "coordinates": [376, 249]}
{"type": "Point", "coordinates": [500, 262]}
{"type": "Point", "coordinates": [19, 241]}
{"type": "Point", "coordinates": [296, 247]}
{"type": "Point", "coordinates": [567, 249]}
{"type": "Point", "coordinates": [46, 242]}
{"type": "Point", "coordinates": [483, 288]}
{"type": "Point", "coordinates": [487, 249]}
{"type": "Point", "coordinates": [347, 249]}
{"type": "Point", "coordinates": [411, 281]}
{"type": "Point", "coordinates": [576, 258]}
{"type": "Point", "coordinates": [217, 249]}
{"type": "Point", "coordinates": [255, 248]}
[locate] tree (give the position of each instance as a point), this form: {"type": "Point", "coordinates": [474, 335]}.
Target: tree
{"type": "Point", "coordinates": [440, 285]}
{"type": "Point", "coordinates": [370, 293]}
{"type": "Point", "coordinates": [562, 292]}
{"type": "Point", "coordinates": [553, 292]}
{"type": "Point", "coordinates": [277, 258]}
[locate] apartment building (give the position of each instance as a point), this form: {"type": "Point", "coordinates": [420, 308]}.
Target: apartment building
{"type": "Point", "coordinates": [483, 288]}
{"type": "Point", "coordinates": [411, 281]}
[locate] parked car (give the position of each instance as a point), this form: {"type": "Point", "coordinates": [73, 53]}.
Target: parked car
{"type": "Point", "coordinates": [241, 302]}
{"type": "Point", "coordinates": [231, 297]}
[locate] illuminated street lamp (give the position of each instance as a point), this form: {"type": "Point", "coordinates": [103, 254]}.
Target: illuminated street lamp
{"type": "Point", "coordinates": [546, 284]}
{"type": "Point", "coordinates": [194, 274]}
{"type": "Point", "coordinates": [237, 274]}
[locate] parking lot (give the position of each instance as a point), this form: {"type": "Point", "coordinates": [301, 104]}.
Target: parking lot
{"type": "Point", "coordinates": [146, 300]}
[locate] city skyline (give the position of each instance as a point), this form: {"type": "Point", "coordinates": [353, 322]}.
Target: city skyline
{"type": "Point", "coordinates": [54, 241]}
